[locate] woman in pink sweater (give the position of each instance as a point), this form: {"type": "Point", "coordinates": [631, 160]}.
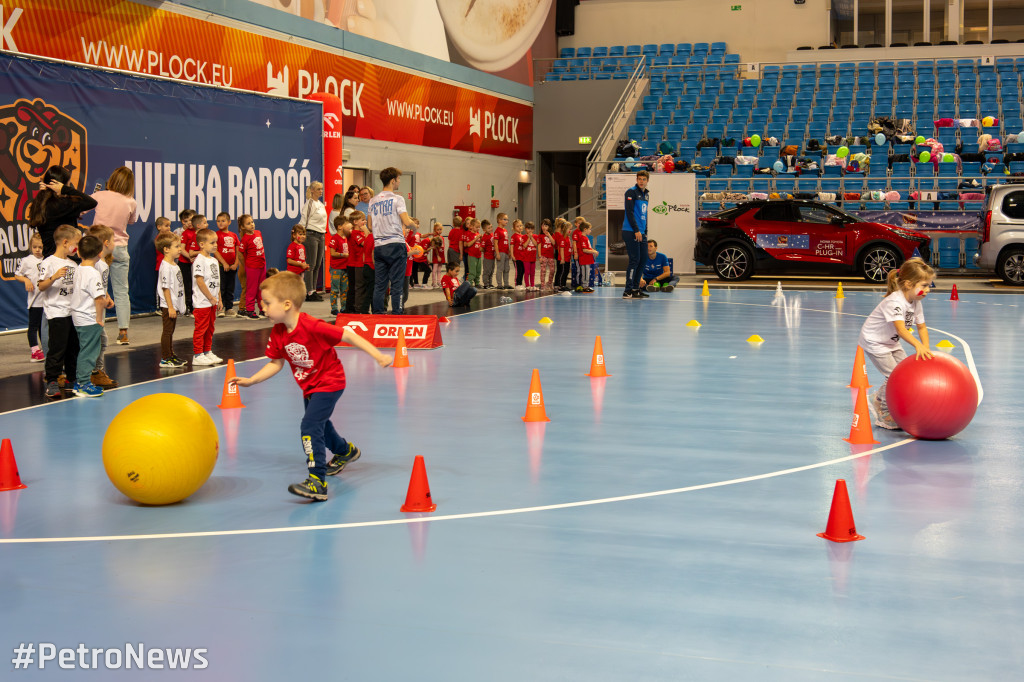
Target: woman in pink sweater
{"type": "Point", "coordinates": [115, 208]}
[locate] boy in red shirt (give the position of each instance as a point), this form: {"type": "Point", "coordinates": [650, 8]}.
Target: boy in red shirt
{"type": "Point", "coordinates": [307, 344]}
{"type": "Point", "coordinates": [501, 251]}
{"type": "Point", "coordinates": [563, 254]}
{"type": "Point", "coordinates": [255, 266]}
{"type": "Point", "coordinates": [296, 254]}
{"type": "Point", "coordinates": [189, 249]}
{"type": "Point", "coordinates": [355, 260]}
{"type": "Point", "coordinates": [472, 251]}
{"type": "Point", "coordinates": [586, 258]}
{"type": "Point", "coordinates": [487, 244]}
{"type": "Point", "coordinates": [458, 295]}
{"type": "Point", "coordinates": [227, 257]}
{"type": "Point", "coordinates": [337, 247]}
{"type": "Point", "coordinates": [575, 240]}
{"type": "Point", "coordinates": [455, 240]}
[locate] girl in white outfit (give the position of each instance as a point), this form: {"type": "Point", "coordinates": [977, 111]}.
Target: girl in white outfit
{"type": "Point", "coordinates": [889, 322]}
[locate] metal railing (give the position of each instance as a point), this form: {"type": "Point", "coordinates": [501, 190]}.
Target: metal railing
{"type": "Point", "coordinates": [622, 112]}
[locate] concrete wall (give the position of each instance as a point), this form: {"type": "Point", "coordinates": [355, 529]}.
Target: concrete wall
{"type": "Point", "coordinates": [442, 177]}
{"type": "Point", "coordinates": [562, 112]}
{"type": "Point", "coordinates": [761, 31]}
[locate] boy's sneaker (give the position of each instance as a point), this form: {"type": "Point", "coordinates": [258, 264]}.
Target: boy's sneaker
{"type": "Point", "coordinates": [87, 390]}
{"type": "Point", "coordinates": [221, 313]}
{"type": "Point", "coordinates": [627, 294]}
{"type": "Point", "coordinates": [171, 363]}
{"type": "Point", "coordinates": [37, 356]}
{"type": "Point", "coordinates": [122, 338]}
{"type": "Point", "coordinates": [667, 287]}
{"type": "Point", "coordinates": [179, 361]}
{"type": "Point", "coordinates": [338, 462]}
{"type": "Point", "coordinates": [232, 313]}
{"type": "Point", "coordinates": [52, 390]}
{"type": "Point", "coordinates": [588, 290]}
{"type": "Point", "coordinates": [887, 423]}
{"type": "Point", "coordinates": [640, 294]}
{"type": "Point", "coordinates": [214, 359]}
{"type": "Point", "coordinates": [312, 488]}
{"type": "Point", "coordinates": [201, 360]}
{"type": "Point", "coordinates": [100, 378]}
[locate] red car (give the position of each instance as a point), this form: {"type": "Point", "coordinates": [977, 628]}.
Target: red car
{"type": "Point", "coordinates": [802, 236]}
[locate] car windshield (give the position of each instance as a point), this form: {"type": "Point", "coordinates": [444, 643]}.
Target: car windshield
{"type": "Point", "coordinates": [847, 217]}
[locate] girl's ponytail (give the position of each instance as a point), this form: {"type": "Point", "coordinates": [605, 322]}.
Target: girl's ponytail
{"type": "Point", "coordinates": [891, 282]}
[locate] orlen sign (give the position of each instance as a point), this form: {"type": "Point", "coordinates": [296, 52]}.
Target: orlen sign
{"type": "Point", "coordinates": [421, 331]}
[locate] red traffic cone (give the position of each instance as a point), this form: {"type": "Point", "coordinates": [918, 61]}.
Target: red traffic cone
{"type": "Point", "coordinates": [860, 428]}
{"type": "Point", "coordinates": [953, 295]}
{"type": "Point", "coordinates": [597, 368]}
{"type": "Point", "coordinates": [535, 403]}
{"type": "Point", "coordinates": [442, 320]}
{"type": "Point", "coordinates": [840, 527]}
{"type": "Point", "coordinates": [9, 477]}
{"type": "Point", "coordinates": [401, 352]}
{"type": "Point", "coordinates": [859, 379]}
{"type": "Point", "coordinates": [230, 398]}
{"type": "Point", "coordinates": [418, 499]}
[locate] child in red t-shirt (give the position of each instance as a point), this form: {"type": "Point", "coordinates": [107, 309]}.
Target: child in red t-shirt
{"type": "Point", "coordinates": [307, 345]}
{"type": "Point", "coordinates": [588, 270]}
{"type": "Point", "coordinates": [501, 252]}
{"type": "Point", "coordinates": [360, 282]}
{"type": "Point", "coordinates": [189, 249]}
{"type": "Point", "coordinates": [437, 256]}
{"type": "Point", "coordinates": [296, 254]}
{"type": "Point", "coordinates": [255, 259]}
{"type": "Point", "coordinates": [529, 250]}
{"type": "Point", "coordinates": [473, 251]}
{"type": "Point", "coordinates": [338, 250]}
{"type": "Point", "coordinates": [419, 262]}
{"type": "Point", "coordinates": [563, 254]}
{"type": "Point", "coordinates": [546, 257]}
{"type": "Point", "coordinates": [517, 243]}
{"type": "Point", "coordinates": [227, 257]}
{"type": "Point", "coordinates": [487, 245]}
{"type": "Point", "coordinates": [575, 243]}
{"type": "Point", "coordinates": [455, 240]}
{"type": "Point", "coordinates": [458, 294]}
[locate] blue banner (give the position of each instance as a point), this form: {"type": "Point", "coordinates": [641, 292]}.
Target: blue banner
{"type": "Point", "coordinates": [189, 147]}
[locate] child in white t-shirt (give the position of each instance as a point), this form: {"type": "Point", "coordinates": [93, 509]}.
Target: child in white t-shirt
{"type": "Point", "coordinates": [206, 300]}
{"type": "Point", "coordinates": [170, 290]}
{"type": "Point", "coordinates": [88, 310]}
{"type": "Point", "coordinates": [889, 322]}
{"type": "Point", "coordinates": [28, 274]}
{"type": "Point", "coordinates": [57, 284]}
{"type": "Point", "coordinates": [106, 236]}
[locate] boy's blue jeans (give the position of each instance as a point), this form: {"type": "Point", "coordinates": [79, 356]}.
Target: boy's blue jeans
{"type": "Point", "coordinates": [318, 432]}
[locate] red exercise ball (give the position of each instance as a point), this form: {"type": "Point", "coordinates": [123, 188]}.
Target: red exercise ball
{"type": "Point", "coordinates": [932, 399]}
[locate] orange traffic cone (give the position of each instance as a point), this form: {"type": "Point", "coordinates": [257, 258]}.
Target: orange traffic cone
{"type": "Point", "coordinates": [953, 295]}
{"type": "Point", "coordinates": [443, 320]}
{"type": "Point", "coordinates": [9, 477]}
{"type": "Point", "coordinates": [597, 368]}
{"type": "Point", "coordinates": [230, 398]}
{"type": "Point", "coordinates": [401, 352]}
{"type": "Point", "coordinates": [840, 527]}
{"type": "Point", "coordinates": [535, 403]}
{"type": "Point", "coordinates": [859, 379]}
{"type": "Point", "coordinates": [860, 428]}
{"type": "Point", "coordinates": [417, 499]}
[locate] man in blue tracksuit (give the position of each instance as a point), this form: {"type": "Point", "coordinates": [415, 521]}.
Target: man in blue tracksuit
{"type": "Point", "coordinates": [634, 233]}
{"type": "Point", "coordinates": [657, 272]}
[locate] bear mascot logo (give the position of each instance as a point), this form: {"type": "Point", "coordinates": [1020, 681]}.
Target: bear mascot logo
{"type": "Point", "coordinates": [33, 137]}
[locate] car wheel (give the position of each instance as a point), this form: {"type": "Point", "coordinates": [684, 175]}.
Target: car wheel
{"type": "Point", "coordinates": [1011, 266]}
{"type": "Point", "coordinates": [733, 262]}
{"type": "Point", "coordinates": [877, 261]}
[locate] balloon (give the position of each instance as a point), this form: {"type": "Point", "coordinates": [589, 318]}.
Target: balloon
{"type": "Point", "coordinates": [779, 166]}
{"type": "Point", "coordinates": [919, 140]}
{"type": "Point", "coordinates": [842, 152]}
{"type": "Point", "coordinates": [947, 157]}
{"type": "Point", "coordinates": [629, 162]}
{"type": "Point", "coordinates": [925, 157]}
{"type": "Point", "coordinates": [670, 166]}
{"type": "Point", "coordinates": [755, 140]}
{"type": "Point", "coordinates": [1020, 135]}
{"type": "Point", "coordinates": [987, 121]}
{"type": "Point", "coordinates": [879, 139]}
{"type": "Point", "coordinates": [746, 141]}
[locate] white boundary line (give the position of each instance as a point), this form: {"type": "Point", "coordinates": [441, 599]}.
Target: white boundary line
{"type": "Point", "coordinates": [507, 512]}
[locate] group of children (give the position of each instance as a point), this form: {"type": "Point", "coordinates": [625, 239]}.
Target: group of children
{"type": "Point", "coordinates": [72, 296]}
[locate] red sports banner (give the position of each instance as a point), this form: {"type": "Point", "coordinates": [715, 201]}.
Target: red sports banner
{"type": "Point", "coordinates": [377, 102]}
{"type": "Point", "coordinates": [421, 331]}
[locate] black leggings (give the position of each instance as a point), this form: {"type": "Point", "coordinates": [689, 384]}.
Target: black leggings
{"type": "Point", "coordinates": [520, 271]}
{"type": "Point", "coordinates": [420, 267]}
{"type": "Point", "coordinates": [561, 272]}
{"type": "Point", "coordinates": [35, 323]}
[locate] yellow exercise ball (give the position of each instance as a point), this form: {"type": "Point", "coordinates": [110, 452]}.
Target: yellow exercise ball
{"type": "Point", "coordinates": [160, 449]}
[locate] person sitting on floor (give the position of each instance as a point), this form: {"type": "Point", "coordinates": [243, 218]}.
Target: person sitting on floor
{"type": "Point", "coordinates": [657, 274]}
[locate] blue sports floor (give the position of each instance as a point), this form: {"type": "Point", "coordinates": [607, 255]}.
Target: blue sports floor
{"type": "Point", "coordinates": [660, 527]}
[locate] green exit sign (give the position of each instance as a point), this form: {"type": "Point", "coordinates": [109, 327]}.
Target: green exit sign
{"type": "Point", "coordinates": [736, 8]}
{"type": "Point", "coordinates": [586, 139]}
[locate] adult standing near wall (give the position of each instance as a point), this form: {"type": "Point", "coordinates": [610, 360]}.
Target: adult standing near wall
{"type": "Point", "coordinates": [388, 220]}
{"type": "Point", "coordinates": [365, 194]}
{"type": "Point", "coordinates": [116, 208]}
{"type": "Point", "coordinates": [314, 219]}
{"type": "Point", "coordinates": [634, 233]}
{"type": "Point", "coordinates": [56, 204]}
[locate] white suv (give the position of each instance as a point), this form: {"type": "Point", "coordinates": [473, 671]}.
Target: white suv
{"type": "Point", "coordinates": [1002, 233]}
